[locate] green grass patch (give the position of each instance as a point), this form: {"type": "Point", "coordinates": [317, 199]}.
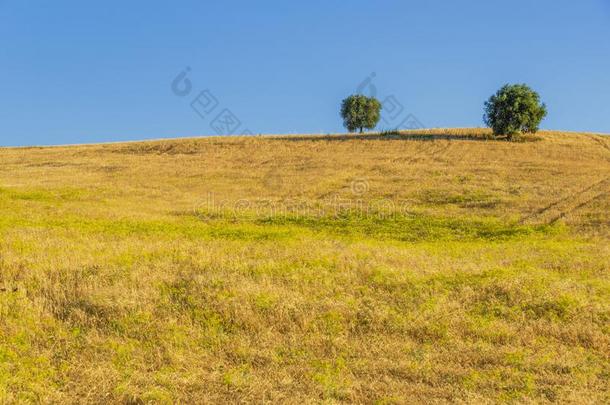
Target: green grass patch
{"type": "Point", "coordinates": [466, 199]}
{"type": "Point", "coordinates": [413, 228]}
{"type": "Point", "coordinates": [403, 228]}
{"type": "Point", "coordinates": [42, 195]}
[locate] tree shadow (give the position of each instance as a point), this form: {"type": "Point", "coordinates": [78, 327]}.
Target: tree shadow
{"type": "Point", "coordinates": [412, 136]}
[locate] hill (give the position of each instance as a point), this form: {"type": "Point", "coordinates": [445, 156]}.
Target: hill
{"type": "Point", "coordinates": [437, 265]}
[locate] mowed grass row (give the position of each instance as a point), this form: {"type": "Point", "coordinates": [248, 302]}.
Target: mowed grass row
{"type": "Point", "coordinates": [120, 283]}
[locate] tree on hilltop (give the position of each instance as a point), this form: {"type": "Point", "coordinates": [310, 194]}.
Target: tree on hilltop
{"type": "Point", "coordinates": [513, 110]}
{"type": "Point", "coordinates": [360, 112]}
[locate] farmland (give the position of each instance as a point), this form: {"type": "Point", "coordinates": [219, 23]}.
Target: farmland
{"type": "Point", "coordinates": [436, 265]}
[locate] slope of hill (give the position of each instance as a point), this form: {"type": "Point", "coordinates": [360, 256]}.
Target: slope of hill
{"type": "Point", "coordinates": [436, 265]}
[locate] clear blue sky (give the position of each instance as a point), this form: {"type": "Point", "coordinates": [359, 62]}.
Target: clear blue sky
{"type": "Point", "coordinates": [83, 71]}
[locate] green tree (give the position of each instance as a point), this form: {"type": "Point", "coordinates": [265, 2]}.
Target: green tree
{"type": "Point", "coordinates": [359, 112]}
{"type": "Point", "coordinates": [513, 110]}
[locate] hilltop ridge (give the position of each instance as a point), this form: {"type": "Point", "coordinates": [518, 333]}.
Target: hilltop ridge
{"type": "Point", "coordinates": [428, 265]}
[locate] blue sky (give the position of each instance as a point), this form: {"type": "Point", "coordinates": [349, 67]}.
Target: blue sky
{"type": "Point", "coordinates": [79, 72]}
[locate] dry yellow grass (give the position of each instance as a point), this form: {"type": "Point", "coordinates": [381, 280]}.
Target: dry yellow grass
{"type": "Point", "coordinates": [431, 266]}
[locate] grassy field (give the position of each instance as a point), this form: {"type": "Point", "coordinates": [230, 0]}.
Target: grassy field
{"type": "Point", "coordinates": [436, 265]}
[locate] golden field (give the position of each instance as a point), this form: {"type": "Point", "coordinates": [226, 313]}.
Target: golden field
{"type": "Point", "coordinates": [431, 266]}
